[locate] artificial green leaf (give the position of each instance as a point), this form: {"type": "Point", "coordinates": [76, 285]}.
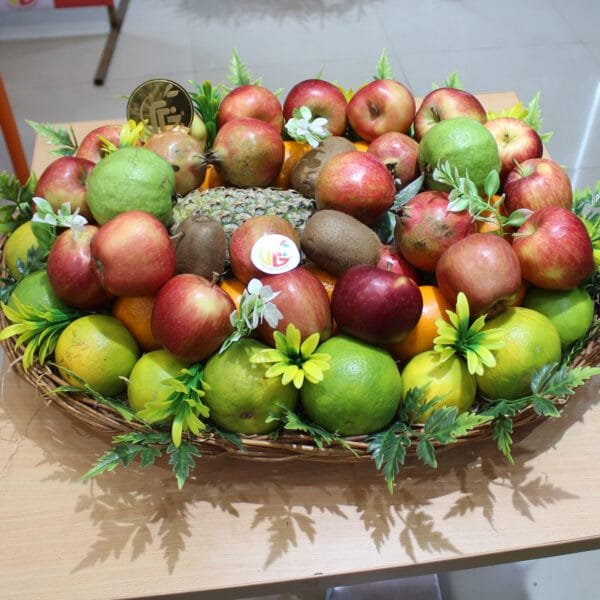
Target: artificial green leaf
{"type": "Point", "coordinates": [426, 452]}
{"type": "Point", "coordinates": [502, 433]}
{"type": "Point", "coordinates": [383, 69]}
{"type": "Point", "coordinates": [491, 185]}
{"type": "Point", "coordinates": [407, 193]}
{"type": "Point", "coordinates": [181, 459]}
{"type": "Point", "coordinates": [65, 141]}
{"type": "Point", "coordinates": [388, 451]}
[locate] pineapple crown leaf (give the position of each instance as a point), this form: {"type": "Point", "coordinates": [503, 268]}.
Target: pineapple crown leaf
{"type": "Point", "coordinates": [294, 360]}
{"type": "Point", "coordinates": [469, 340]}
{"type": "Point", "coordinates": [302, 127]}
{"type": "Point", "coordinates": [256, 306]}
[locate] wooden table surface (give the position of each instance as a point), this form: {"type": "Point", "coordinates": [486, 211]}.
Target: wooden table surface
{"type": "Point", "coordinates": [241, 528]}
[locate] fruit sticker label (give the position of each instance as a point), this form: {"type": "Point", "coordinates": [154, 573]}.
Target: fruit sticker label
{"type": "Point", "coordinates": [274, 253]}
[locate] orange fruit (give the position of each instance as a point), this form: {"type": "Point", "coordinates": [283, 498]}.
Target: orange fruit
{"type": "Point", "coordinates": [135, 312]}
{"type": "Point", "coordinates": [234, 288]}
{"type": "Point", "coordinates": [293, 152]}
{"type": "Point", "coordinates": [327, 279]}
{"type": "Point", "coordinates": [361, 145]}
{"type": "Point", "coordinates": [420, 339]}
{"type": "Point", "coordinates": [212, 178]}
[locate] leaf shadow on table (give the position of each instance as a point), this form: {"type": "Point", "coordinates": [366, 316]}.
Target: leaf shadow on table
{"type": "Point", "coordinates": [139, 510]}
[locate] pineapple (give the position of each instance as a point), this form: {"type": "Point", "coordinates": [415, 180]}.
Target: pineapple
{"type": "Point", "coordinates": [232, 206]}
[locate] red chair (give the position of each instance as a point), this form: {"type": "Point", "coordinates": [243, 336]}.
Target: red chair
{"type": "Point", "coordinates": [12, 138]}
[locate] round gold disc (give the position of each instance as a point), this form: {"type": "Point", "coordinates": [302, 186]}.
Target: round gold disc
{"type": "Point", "coordinates": [161, 104]}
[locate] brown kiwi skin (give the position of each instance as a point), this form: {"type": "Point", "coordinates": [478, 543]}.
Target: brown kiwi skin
{"type": "Point", "coordinates": [336, 241]}
{"type": "Point", "coordinates": [304, 175]}
{"type": "Point", "coordinates": [200, 246]}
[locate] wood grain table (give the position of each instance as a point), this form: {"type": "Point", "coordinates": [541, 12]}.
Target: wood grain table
{"type": "Point", "coordinates": [241, 528]}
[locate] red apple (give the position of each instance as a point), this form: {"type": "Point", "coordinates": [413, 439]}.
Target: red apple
{"type": "Point", "coordinates": [91, 146]}
{"type": "Point", "coordinates": [65, 180]}
{"type": "Point", "coordinates": [381, 106]}
{"type": "Point", "coordinates": [190, 317]}
{"type": "Point", "coordinates": [356, 183]}
{"type": "Point", "coordinates": [554, 249]}
{"type": "Point", "coordinates": [446, 103]}
{"type": "Point", "coordinates": [374, 305]}
{"type": "Point", "coordinates": [324, 100]}
{"type": "Point", "coordinates": [247, 234]}
{"type": "Point", "coordinates": [517, 142]}
{"type": "Point", "coordinates": [133, 254]}
{"type": "Point", "coordinates": [248, 153]}
{"type": "Point", "coordinates": [302, 300]}
{"type": "Point", "coordinates": [184, 153]}
{"type": "Point", "coordinates": [399, 153]}
{"type": "Point", "coordinates": [425, 229]}
{"type": "Point", "coordinates": [251, 101]}
{"type": "Point", "coordinates": [71, 273]}
{"type": "Point", "coordinates": [390, 260]}
{"type": "Point", "coordinates": [536, 183]}
{"type": "Point", "coordinates": [483, 266]}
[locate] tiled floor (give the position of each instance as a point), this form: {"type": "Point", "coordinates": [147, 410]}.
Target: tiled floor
{"type": "Point", "coordinates": [48, 60]}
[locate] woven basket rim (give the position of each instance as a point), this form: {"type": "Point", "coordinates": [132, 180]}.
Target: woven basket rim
{"type": "Point", "coordinates": [285, 447]}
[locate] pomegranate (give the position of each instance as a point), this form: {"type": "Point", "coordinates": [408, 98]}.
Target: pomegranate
{"type": "Point", "coordinates": [184, 153]}
{"type": "Point", "coordinates": [425, 229]}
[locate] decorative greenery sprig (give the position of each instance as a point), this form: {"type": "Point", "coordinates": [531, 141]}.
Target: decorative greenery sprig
{"type": "Point", "coordinates": [383, 70]}
{"type": "Point", "coordinates": [15, 201]}
{"type": "Point", "coordinates": [148, 446]}
{"type": "Point", "coordinates": [63, 217]}
{"type": "Point", "coordinates": [206, 99]}
{"type": "Point", "coordinates": [184, 406]}
{"type": "Point", "coordinates": [38, 328]}
{"type": "Point", "coordinates": [388, 448]}
{"type": "Point", "coordinates": [465, 196]}
{"type": "Point", "coordinates": [65, 141]}
{"type": "Point", "coordinates": [532, 115]}
{"type": "Point", "coordinates": [302, 127]}
{"type": "Point", "coordinates": [292, 421]}
{"type": "Point", "coordinates": [452, 81]}
{"type": "Point", "coordinates": [586, 205]}
{"type": "Point", "coordinates": [294, 360]}
{"type": "Point", "coordinates": [550, 383]}
{"type": "Point", "coordinates": [467, 339]}
{"type": "Point", "coordinates": [256, 306]}
{"type": "Point", "coordinates": [239, 74]}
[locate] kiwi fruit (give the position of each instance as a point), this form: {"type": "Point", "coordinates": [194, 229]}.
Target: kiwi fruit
{"type": "Point", "coordinates": [304, 175]}
{"type": "Point", "coordinates": [336, 241]}
{"type": "Point", "coordinates": [200, 246]}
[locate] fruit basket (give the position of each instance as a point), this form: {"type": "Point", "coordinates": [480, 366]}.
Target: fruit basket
{"type": "Point", "coordinates": [304, 310]}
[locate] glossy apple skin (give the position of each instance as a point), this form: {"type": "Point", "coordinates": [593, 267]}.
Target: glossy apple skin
{"type": "Point", "coordinates": [554, 249]}
{"type": "Point", "coordinates": [537, 183]}
{"type": "Point", "coordinates": [425, 229]}
{"type": "Point", "coordinates": [251, 101]}
{"type": "Point", "coordinates": [399, 153]}
{"type": "Point", "coordinates": [483, 266]}
{"type": "Point", "coordinates": [247, 234]}
{"type": "Point", "coordinates": [379, 107]}
{"type": "Point", "coordinates": [91, 147]}
{"type": "Point", "coordinates": [71, 273]}
{"type": "Point", "coordinates": [374, 305]}
{"type": "Point", "coordinates": [391, 260]}
{"type": "Point", "coordinates": [303, 301]}
{"type": "Point", "coordinates": [248, 153]}
{"type": "Point", "coordinates": [190, 317]}
{"type": "Point", "coordinates": [516, 141]}
{"type": "Point", "coordinates": [356, 183]}
{"type": "Point", "coordinates": [324, 100]}
{"type": "Point", "coordinates": [446, 103]}
{"type": "Point", "coordinates": [133, 254]}
{"type": "Point", "coordinates": [65, 180]}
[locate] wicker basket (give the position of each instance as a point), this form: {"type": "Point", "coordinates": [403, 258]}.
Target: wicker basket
{"type": "Point", "coordinates": [287, 446]}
